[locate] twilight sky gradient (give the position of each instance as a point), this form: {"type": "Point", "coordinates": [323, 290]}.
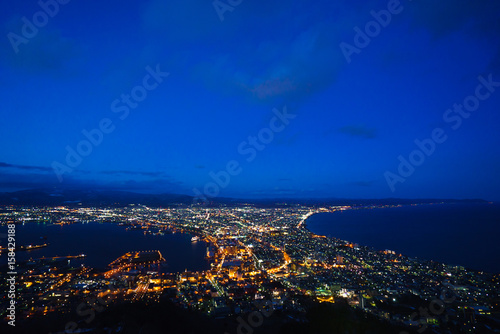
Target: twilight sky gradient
{"type": "Point", "coordinates": [352, 119]}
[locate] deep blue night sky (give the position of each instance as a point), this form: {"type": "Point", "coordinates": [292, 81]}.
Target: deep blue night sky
{"type": "Point", "coordinates": [350, 118]}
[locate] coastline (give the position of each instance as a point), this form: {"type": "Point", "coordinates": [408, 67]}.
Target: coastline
{"type": "Point", "coordinates": [66, 239]}
{"type": "Point", "coordinates": [449, 233]}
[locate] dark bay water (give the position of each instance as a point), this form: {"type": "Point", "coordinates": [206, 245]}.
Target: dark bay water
{"type": "Point", "coordinates": [103, 243]}
{"type": "Point", "coordinates": [458, 234]}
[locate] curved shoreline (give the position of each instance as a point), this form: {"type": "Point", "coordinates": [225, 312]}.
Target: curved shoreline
{"type": "Point", "coordinates": [418, 231]}
{"type": "Point", "coordinates": [304, 223]}
{"type": "Point", "coordinates": [306, 226]}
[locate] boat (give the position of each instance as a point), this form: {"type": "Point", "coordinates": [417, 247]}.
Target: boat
{"type": "Point", "coordinates": [195, 238]}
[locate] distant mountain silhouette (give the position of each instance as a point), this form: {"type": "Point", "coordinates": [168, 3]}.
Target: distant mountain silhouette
{"type": "Point", "coordinates": [89, 198]}
{"type": "Point", "coordinates": [54, 197]}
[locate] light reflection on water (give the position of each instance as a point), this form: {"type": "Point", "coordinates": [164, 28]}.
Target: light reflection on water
{"type": "Point", "coordinates": [104, 242]}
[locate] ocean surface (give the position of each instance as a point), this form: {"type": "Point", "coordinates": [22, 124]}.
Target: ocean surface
{"type": "Point", "coordinates": [456, 234]}
{"type": "Point", "coordinates": [105, 242]}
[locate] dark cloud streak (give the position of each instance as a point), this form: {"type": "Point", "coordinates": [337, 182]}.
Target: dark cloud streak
{"type": "Point", "coordinates": [25, 167]}
{"type": "Point", "coordinates": [359, 131]}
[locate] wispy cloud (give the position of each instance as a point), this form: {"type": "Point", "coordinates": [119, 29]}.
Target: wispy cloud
{"type": "Point", "coordinates": [25, 167]}
{"type": "Point", "coordinates": [48, 52]}
{"type": "Point", "coordinates": [362, 183]}
{"type": "Point", "coordinates": [446, 16]}
{"type": "Point", "coordinates": [17, 177]}
{"type": "Point", "coordinates": [128, 172]}
{"type": "Point", "coordinates": [27, 180]}
{"type": "Point", "coordinates": [108, 172]}
{"type": "Point", "coordinates": [359, 131]}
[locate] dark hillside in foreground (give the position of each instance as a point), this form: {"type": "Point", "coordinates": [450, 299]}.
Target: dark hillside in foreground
{"type": "Point", "coordinates": [165, 317]}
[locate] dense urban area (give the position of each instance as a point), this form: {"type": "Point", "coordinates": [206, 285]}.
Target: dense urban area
{"type": "Point", "coordinates": [263, 260]}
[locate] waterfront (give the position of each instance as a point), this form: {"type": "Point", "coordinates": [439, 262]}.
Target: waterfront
{"type": "Point", "coordinates": [256, 254]}
{"type": "Point", "coordinates": [459, 234]}
{"type": "Point", "coordinates": [105, 242]}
